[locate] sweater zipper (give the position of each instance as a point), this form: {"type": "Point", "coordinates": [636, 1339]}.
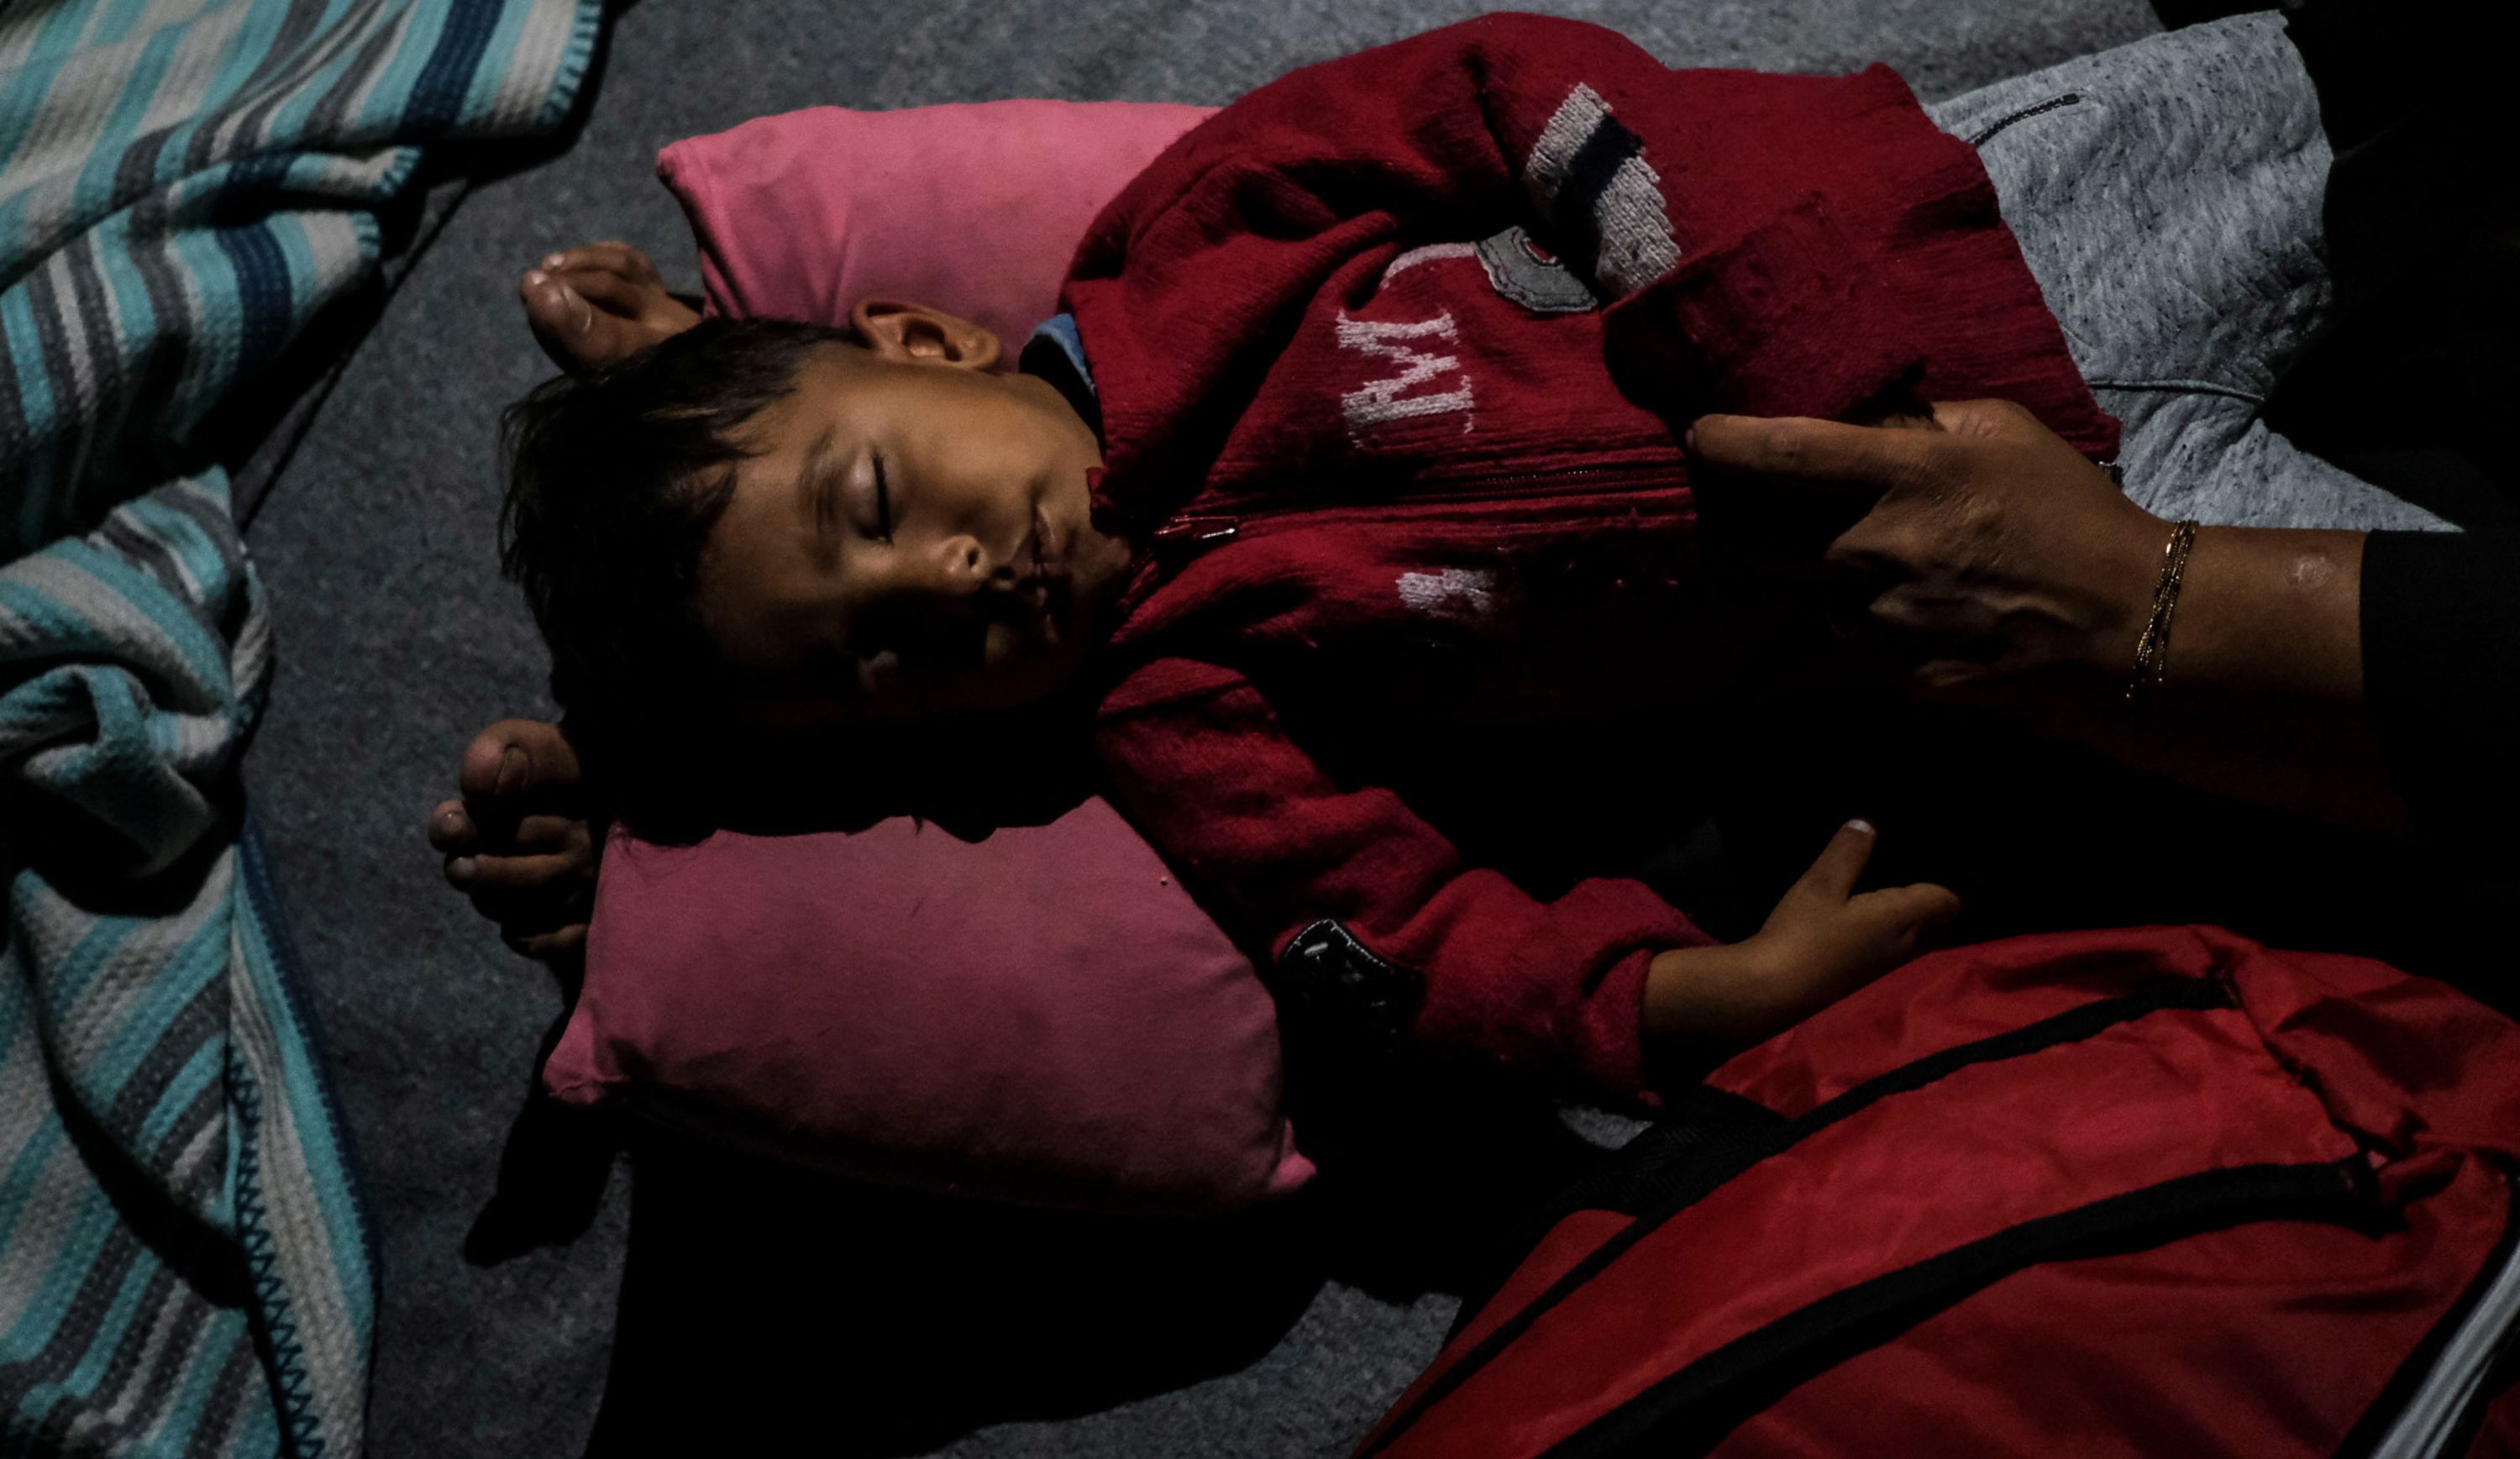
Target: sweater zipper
{"type": "Point", "coordinates": [1192, 532]}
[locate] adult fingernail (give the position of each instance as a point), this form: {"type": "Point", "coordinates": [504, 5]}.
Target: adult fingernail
{"type": "Point", "coordinates": [459, 868]}
{"type": "Point", "coordinates": [450, 820]}
{"type": "Point", "coordinates": [1860, 826]}
{"type": "Point", "coordinates": [511, 770]}
{"type": "Point", "coordinates": [585, 311]}
{"type": "Point", "coordinates": [536, 279]}
{"type": "Point", "coordinates": [554, 261]}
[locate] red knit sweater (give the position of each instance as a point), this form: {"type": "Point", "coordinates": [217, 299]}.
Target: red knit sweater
{"type": "Point", "coordinates": [1374, 437]}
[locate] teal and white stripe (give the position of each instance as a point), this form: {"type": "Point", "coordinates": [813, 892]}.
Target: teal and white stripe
{"type": "Point", "coordinates": [173, 1185]}
{"type": "Point", "coordinates": [184, 184]}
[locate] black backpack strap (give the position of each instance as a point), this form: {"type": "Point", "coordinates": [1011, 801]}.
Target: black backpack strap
{"type": "Point", "coordinates": [1691, 1410]}
{"type": "Point", "coordinates": [1703, 1137]}
{"type": "Point", "coordinates": [2069, 1027]}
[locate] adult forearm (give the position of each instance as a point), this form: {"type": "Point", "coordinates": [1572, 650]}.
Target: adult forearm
{"type": "Point", "coordinates": [2262, 695]}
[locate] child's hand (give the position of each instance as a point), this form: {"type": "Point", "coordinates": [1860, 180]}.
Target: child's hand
{"type": "Point", "coordinates": [594, 305]}
{"type": "Point", "coordinates": [517, 843]}
{"type": "Point", "coordinates": [1821, 943]}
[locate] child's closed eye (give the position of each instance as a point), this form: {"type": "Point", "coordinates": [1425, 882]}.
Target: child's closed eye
{"type": "Point", "coordinates": [884, 502]}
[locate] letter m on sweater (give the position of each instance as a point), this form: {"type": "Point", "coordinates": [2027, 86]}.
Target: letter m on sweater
{"type": "Point", "coordinates": [1411, 368]}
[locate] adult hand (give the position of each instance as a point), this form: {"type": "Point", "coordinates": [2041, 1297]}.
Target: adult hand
{"type": "Point", "coordinates": [1989, 556]}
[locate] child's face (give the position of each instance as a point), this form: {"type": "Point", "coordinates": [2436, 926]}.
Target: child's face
{"type": "Point", "coordinates": [912, 540]}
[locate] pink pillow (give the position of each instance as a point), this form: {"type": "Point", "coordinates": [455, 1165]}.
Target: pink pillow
{"type": "Point", "coordinates": [1040, 1016]}
{"type": "Point", "coordinates": [974, 208]}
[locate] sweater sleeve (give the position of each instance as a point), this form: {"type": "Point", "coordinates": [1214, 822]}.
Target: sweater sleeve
{"type": "Point", "coordinates": [1749, 231]}
{"type": "Point", "coordinates": [1364, 918]}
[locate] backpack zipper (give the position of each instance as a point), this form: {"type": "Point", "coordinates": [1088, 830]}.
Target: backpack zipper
{"type": "Point", "coordinates": [2435, 1416]}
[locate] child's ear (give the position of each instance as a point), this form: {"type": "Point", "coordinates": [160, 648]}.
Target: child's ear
{"type": "Point", "coordinates": [893, 330]}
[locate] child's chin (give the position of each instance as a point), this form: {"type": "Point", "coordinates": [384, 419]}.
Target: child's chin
{"type": "Point", "coordinates": [1031, 681]}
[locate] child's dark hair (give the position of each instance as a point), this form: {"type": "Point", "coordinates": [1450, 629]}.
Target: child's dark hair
{"type": "Point", "coordinates": [614, 482]}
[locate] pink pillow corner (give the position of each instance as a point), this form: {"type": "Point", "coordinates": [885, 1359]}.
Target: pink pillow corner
{"type": "Point", "coordinates": [779, 204]}
{"type": "Point", "coordinates": [1040, 1017]}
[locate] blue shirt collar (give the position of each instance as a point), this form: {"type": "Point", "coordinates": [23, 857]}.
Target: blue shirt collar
{"type": "Point", "coordinates": [1056, 353]}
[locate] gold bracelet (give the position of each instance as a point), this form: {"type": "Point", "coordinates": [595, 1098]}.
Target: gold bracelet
{"type": "Point", "coordinates": [2152, 648]}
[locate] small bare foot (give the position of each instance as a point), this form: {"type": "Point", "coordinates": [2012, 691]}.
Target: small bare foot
{"type": "Point", "coordinates": [517, 841]}
{"type": "Point", "coordinates": [594, 305]}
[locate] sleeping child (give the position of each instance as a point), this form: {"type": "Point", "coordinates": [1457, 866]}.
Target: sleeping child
{"type": "Point", "coordinates": [1362, 426]}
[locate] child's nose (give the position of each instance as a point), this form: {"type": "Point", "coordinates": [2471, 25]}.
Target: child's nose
{"type": "Point", "coordinates": [960, 568]}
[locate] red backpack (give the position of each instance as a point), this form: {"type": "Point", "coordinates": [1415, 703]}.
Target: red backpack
{"type": "Point", "coordinates": [2153, 1191]}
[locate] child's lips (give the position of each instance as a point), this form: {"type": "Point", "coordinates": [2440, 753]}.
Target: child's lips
{"type": "Point", "coordinates": [1047, 577]}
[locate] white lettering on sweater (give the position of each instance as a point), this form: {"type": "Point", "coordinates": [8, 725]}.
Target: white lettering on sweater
{"type": "Point", "coordinates": [1553, 153]}
{"type": "Point", "coordinates": [1388, 399]}
{"type": "Point", "coordinates": [1428, 254]}
{"type": "Point", "coordinates": [1454, 593]}
{"type": "Point", "coordinates": [1629, 218]}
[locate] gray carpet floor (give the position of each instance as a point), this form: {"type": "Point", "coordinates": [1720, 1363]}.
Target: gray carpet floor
{"type": "Point", "coordinates": [876, 1323]}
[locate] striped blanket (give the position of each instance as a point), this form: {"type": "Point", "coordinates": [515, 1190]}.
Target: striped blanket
{"type": "Point", "coordinates": [184, 184]}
